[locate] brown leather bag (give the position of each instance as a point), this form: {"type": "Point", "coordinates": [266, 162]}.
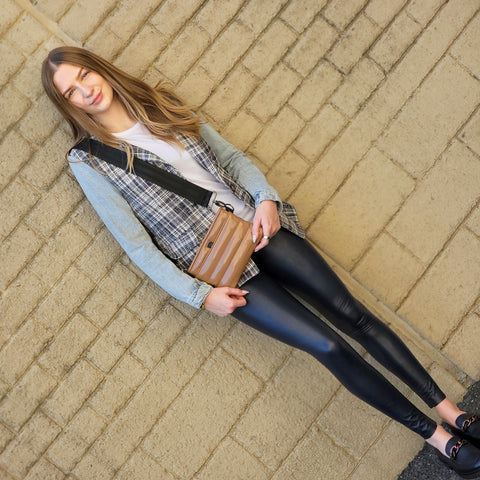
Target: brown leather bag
{"type": "Point", "coordinates": [225, 250]}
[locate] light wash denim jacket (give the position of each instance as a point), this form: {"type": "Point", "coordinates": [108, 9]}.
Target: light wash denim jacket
{"type": "Point", "coordinates": [120, 220]}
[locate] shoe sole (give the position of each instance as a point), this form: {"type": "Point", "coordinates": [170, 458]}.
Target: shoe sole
{"type": "Point", "coordinates": [471, 474]}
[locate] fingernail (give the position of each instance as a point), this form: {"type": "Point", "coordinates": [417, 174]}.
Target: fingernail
{"type": "Point", "coordinates": [245, 291]}
{"type": "Point", "coordinates": [254, 238]}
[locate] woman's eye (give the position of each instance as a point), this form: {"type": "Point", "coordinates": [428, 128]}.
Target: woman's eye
{"type": "Point", "coordinates": [70, 93]}
{"type": "Point", "coordinates": [84, 74]}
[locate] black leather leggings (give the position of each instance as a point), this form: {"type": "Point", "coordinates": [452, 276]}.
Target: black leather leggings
{"type": "Point", "coordinates": [291, 263]}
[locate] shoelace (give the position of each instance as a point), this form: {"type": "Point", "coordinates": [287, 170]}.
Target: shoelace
{"type": "Point", "coordinates": [469, 421]}
{"type": "Point", "coordinates": [456, 448]}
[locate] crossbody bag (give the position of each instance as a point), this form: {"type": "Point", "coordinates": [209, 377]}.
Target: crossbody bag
{"type": "Point", "coordinates": [226, 248]}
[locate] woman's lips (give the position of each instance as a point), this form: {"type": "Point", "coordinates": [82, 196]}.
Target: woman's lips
{"type": "Point", "coordinates": [97, 99]}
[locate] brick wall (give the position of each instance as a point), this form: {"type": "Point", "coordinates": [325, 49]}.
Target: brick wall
{"type": "Point", "coordinates": [364, 114]}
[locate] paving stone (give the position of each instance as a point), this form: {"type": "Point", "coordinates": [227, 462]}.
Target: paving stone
{"type": "Point", "coordinates": [215, 15]}
{"type": "Point", "coordinates": [317, 134]}
{"type": "Point", "coordinates": [38, 124]}
{"type": "Point", "coordinates": [466, 47]}
{"type": "Point", "coordinates": [10, 162]}
{"type": "Point", "coordinates": [16, 251]}
{"type": "Point", "coordinates": [27, 34]}
{"type": "Point", "coordinates": [22, 349]}
{"type": "Point", "coordinates": [471, 133]}
{"type": "Point", "coordinates": [58, 253]}
{"type": "Point", "coordinates": [68, 346]}
{"type": "Point", "coordinates": [128, 16]}
{"type": "Point", "coordinates": [169, 18]}
{"type": "Point", "coordinates": [67, 399]}
{"type": "Point", "coordinates": [101, 254]}
{"type": "Point", "coordinates": [119, 386]}
{"type": "Point", "coordinates": [279, 134]}
{"type": "Point", "coordinates": [13, 104]}
{"type": "Point", "coordinates": [325, 176]}
{"type": "Point", "coordinates": [19, 300]}
{"type": "Point", "coordinates": [353, 45]}
{"type": "Point", "coordinates": [114, 290]}
{"type": "Point", "coordinates": [22, 453]}
{"type": "Point", "coordinates": [12, 60]}
{"type": "Point", "coordinates": [64, 299]}
{"type": "Point", "coordinates": [396, 39]}
{"type": "Point", "coordinates": [105, 43]}
{"type": "Point", "coordinates": [22, 401]}
{"type": "Point", "coordinates": [315, 90]}
{"type": "Point", "coordinates": [160, 335]}
{"type": "Point", "coordinates": [439, 204]}
{"type": "Point", "coordinates": [196, 87]}
{"type": "Point", "coordinates": [389, 270]}
{"type": "Point", "coordinates": [230, 95]}
{"type": "Point", "coordinates": [453, 275]}
{"type": "Point", "coordinates": [424, 10]}
{"type": "Point", "coordinates": [141, 51]}
{"type": "Point", "coordinates": [311, 46]}
{"type": "Point", "coordinates": [10, 12]}
{"type": "Point", "coordinates": [79, 25]}
{"type": "Point", "coordinates": [176, 60]}
{"type": "Point", "coordinates": [269, 49]}
{"type": "Point", "coordinates": [353, 424]}
{"type": "Point", "coordinates": [287, 173]}
{"type": "Point", "coordinates": [357, 86]}
{"type": "Point", "coordinates": [316, 457]}
{"type": "Point", "coordinates": [384, 460]}
{"type": "Point", "coordinates": [226, 50]}
{"type": "Point", "coordinates": [273, 92]}
{"type": "Point", "coordinates": [44, 469]}
{"type": "Point", "coordinates": [55, 205]}
{"type": "Point", "coordinates": [241, 130]}
{"type": "Point", "coordinates": [293, 400]}
{"type": "Point", "coordinates": [299, 13]}
{"type": "Point", "coordinates": [382, 12]}
{"type": "Point", "coordinates": [341, 13]}
{"type": "Point", "coordinates": [208, 417]}
{"type": "Point", "coordinates": [141, 466]}
{"type": "Point", "coordinates": [232, 461]}
{"type": "Point", "coordinates": [361, 208]}
{"type": "Point", "coordinates": [47, 164]}
{"type": "Point", "coordinates": [257, 16]}
{"type": "Point", "coordinates": [260, 353]}
{"type": "Point", "coordinates": [115, 340]}
{"type": "Point", "coordinates": [435, 122]}
{"type": "Point", "coordinates": [474, 221]}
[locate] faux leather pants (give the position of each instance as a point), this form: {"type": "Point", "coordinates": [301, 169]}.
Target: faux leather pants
{"type": "Point", "coordinates": [291, 264]}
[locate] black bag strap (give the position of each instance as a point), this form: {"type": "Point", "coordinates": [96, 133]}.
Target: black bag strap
{"type": "Point", "coordinates": [163, 178]}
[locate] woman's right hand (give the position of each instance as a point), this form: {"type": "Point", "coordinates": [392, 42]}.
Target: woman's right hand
{"type": "Point", "coordinates": [224, 300]}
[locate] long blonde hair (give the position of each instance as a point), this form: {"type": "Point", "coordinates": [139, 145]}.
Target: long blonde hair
{"type": "Point", "coordinates": [158, 109]}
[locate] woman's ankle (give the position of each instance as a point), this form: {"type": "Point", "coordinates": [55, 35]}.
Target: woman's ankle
{"type": "Point", "coordinates": [439, 439]}
{"type": "Point", "coordinates": [448, 411]}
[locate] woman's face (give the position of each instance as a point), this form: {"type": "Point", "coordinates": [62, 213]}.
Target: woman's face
{"type": "Point", "coordinates": [84, 89]}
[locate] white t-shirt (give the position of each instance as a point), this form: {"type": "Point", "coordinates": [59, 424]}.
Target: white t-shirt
{"type": "Point", "coordinates": [179, 158]}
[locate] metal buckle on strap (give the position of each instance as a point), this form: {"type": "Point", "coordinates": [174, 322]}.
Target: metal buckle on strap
{"type": "Point", "coordinates": [226, 206]}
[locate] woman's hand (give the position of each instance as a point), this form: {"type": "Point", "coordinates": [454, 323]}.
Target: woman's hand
{"type": "Point", "coordinates": [266, 216]}
{"type": "Point", "coordinates": [224, 300]}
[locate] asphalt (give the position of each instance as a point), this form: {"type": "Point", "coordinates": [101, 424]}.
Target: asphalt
{"type": "Point", "coordinates": [426, 466]}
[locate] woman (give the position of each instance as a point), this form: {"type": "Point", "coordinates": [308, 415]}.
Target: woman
{"type": "Point", "coordinates": [161, 231]}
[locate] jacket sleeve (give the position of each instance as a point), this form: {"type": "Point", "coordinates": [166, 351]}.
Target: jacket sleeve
{"type": "Point", "coordinates": [120, 220]}
{"type": "Point", "coordinates": [242, 169]}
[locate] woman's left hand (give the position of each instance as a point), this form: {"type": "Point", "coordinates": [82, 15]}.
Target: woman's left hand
{"type": "Point", "coordinates": [266, 216]}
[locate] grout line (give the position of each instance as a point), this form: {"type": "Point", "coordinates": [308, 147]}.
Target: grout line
{"type": "Point", "coordinates": [50, 25]}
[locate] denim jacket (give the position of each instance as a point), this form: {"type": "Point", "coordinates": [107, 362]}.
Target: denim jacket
{"type": "Point", "coordinates": [177, 233]}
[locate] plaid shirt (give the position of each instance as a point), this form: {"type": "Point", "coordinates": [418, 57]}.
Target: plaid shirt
{"type": "Point", "coordinates": [175, 224]}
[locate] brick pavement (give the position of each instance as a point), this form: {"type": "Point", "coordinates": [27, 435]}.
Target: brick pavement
{"type": "Point", "coordinates": [364, 114]}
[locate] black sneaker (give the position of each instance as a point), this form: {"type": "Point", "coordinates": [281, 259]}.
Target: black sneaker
{"type": "Point", "coordinates": [463, 458]}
